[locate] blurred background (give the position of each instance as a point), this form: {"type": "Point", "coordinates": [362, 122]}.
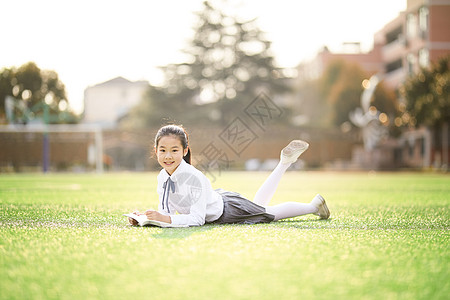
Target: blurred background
{"type": "Point", "coordinates": [85, 85]}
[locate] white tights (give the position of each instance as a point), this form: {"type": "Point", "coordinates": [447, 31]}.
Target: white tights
{"type": "Point", "coordinates": [283, 210]}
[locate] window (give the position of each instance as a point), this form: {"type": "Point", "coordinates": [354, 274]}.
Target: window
{"type": "Point", "coordinates": [423, 21]}
{"type": "Point", "coordinates": [411, 26]}
{"type": "Point", "coordinates": [411, 59]}
{"type": "Point", "coordinates": [424, 57]}
{"type": "Point", "coordinates": [422, 147]}
{"type": "Point", "coordinates": [394, 35]}
{"type": "Point", "coordinates": [392, 66]}
{"type": "Point", "coordinates": [411, 149]}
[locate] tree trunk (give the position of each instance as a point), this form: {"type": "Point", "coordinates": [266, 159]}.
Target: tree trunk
{"type": "Point", "coordinates": [445, 146]}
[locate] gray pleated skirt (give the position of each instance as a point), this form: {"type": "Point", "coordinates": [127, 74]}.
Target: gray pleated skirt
{"type": "Point", "coordinates": [238, 209]}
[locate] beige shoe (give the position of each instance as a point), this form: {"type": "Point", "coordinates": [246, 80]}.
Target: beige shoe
{"type": "Point", "coordinates": [291, 152]}
{"type": "Point", "coordinates": [322, 209]}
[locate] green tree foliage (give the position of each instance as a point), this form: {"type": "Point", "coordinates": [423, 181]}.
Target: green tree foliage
{"type": "Point", "coordinates": [341, 86]}
{"type": "Point", "coordinates": [31, 87]}
{"type": "Point", "coordinates": [345, 92]}
{"type": "Point", "coordinates": [427, 96]}
{"type": "Point", "coordinates": [6, 80]}
{"type": "Point", "coordinates": [228, 61]}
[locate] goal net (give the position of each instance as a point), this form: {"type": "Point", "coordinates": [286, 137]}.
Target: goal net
{"type": "Point", "coordinates": [51, 148]}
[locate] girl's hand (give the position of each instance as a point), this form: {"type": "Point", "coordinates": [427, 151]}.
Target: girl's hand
{"type": "Point", "coordinates": [154, 215]}
{"type": "Point", "coordinates": [132, 221]}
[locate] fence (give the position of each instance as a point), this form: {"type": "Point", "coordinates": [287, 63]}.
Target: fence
{"type": "Point", "coordinates": [77, 150]}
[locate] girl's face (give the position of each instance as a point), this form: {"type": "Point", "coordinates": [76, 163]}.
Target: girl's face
{"type": "Point", "coordinates": [170, 152]}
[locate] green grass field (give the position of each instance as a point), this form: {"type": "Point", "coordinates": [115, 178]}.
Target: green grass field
{"type": "Point", "coordinates": [63, 236]}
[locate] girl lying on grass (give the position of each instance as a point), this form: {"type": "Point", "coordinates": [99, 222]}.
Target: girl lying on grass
{"type": "Point", "coordinates": [186, 196]}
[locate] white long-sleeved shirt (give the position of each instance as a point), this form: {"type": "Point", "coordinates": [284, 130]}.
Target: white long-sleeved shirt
{"type": "Point", "coordinates": [193, 202]}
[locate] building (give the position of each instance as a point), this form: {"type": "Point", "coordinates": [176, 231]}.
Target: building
{"type": "Point", "coordinates": [418, 37]}
{"type": "Point", "coordinates": [371, 61]}
{"type": "Point", "coordinates": [107, 102]}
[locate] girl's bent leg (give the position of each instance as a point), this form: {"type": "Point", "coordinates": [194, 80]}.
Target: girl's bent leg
{"type": "Point", "coordinates": [290, 210]}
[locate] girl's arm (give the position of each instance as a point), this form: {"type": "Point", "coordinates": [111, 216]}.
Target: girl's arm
{"type": "Point", "coordinates": [196, 216]}
{"type": "Point", "coordinates": [197, 210]}
{"type": "Point", "coordinates": [155, 215]}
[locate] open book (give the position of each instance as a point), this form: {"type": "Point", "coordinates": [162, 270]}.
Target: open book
{"type": "Point", "coordinates": [143, 221]}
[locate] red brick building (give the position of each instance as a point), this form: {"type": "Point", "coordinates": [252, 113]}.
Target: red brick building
{"type": "Point", "coordinates": [418, 37]}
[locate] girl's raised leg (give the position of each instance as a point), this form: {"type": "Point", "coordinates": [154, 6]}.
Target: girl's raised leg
{"type": "Point", "coordinates": [288, 155]}
{"type": "Point", "coordinates": [268, 188]}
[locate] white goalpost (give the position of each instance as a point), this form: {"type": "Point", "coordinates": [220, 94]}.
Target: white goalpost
{"type": "Point", "coordinates": [45, 129]}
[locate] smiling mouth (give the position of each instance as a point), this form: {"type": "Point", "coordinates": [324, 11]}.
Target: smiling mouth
{"type": "Point", "coordinates": [168, 163]}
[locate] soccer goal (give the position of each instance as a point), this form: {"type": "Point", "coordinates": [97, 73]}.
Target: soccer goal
{"type": "Point", "coordinates": [52, 147]}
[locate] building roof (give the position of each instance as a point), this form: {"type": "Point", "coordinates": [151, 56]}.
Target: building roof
{"type": "Point", "coordinates": [120, 81]}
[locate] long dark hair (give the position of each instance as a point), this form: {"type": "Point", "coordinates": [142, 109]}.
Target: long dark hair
{"type": "Point", "coordinates": [180, 133]}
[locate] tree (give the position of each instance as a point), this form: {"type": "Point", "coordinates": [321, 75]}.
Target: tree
{"type": "Point", "coordinates": [345, 93]}
{"type": "Point", "coordinates": [6, 79]}
{"type": "Point", "coordinates": [341, 86]}
{"type": "Point", "coordinates": [227, 62]}
{"type": "Point", "coordinates": [427, 96]}
{"type": "Point", "coordinates": [33, 91]}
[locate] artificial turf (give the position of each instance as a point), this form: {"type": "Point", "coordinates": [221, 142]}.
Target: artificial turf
{"type": "Point", "coordinates": [63, 236]}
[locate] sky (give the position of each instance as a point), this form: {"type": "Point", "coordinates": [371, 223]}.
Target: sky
{"type": "Point", "coordinates": [91, 41]}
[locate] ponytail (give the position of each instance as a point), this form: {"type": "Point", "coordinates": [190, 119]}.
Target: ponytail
{"type": "Point", "coordinates": [187, 157]}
